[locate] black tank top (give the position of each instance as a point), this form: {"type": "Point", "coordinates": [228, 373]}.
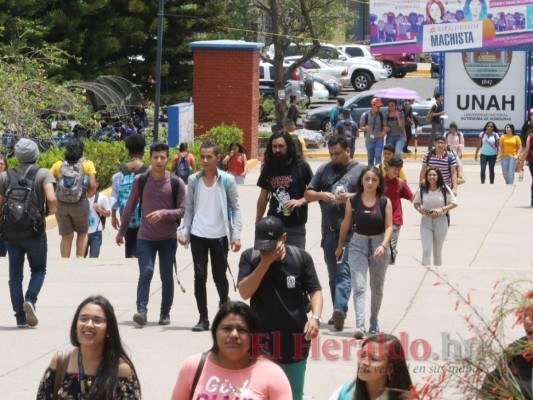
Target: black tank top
{"type": "Point", "coordinates": [368, 221]}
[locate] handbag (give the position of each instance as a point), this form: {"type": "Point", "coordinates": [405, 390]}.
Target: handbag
{"type": "Point", "coordinates": [61, 368]}
{"type": "Point", "coordinates": [198, 373]}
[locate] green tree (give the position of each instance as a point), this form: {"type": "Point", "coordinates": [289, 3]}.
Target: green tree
{"type": "Point", "coordinates": [29, 101]}
{"type": "Point", "coordinates": [114, 37]}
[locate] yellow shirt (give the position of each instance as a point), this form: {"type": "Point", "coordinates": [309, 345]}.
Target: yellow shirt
{"type": "Point", "coordinates": [510, 145]}
{"type": "Point", "coordinates": [302, 141]}
{"type": "Point", "coordinates": [88, 167]}
{"type": "Point", "coordinates": [402, 172]}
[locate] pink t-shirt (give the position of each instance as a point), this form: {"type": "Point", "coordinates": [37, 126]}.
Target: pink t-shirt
{"type": "Point", "coordinates": [262, 380]}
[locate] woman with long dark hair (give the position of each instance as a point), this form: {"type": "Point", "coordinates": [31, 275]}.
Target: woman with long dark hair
{"type": "Point", "coordinates": [434, 200]}
{"type": "Point", "coordinates": [528, 156]}
{"type": "Point", "coordinates": [235, 162]}
{"type": "Point", "coordinates": [490, 150]}
{"type": "Point", "coordinates": [382, 372]}
{"type": "Point", "coordinates": [369, 215]}
{"type": "Point", "coordinates": [510, 148]}
{"type": "Point", "coordinates": [234, 360]}
{"type": "Point", "coordinates": [98, 367]}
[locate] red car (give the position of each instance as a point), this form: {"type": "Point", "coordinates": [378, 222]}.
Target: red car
{"type": "Point", "coordinates": [397, 65]}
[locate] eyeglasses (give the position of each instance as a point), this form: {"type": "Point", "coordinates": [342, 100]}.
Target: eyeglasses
{"type": "Point", "coordinates": [97, 321]}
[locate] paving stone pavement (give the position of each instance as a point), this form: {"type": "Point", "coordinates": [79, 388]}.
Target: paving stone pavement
{"type": "Point", "coordinates": [489, 239]}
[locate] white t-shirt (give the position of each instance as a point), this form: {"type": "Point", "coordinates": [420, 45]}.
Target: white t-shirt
{"type": "Point", "coordinates": [208, 221]}
{"type": "Point", "coordinates": [434, 199]}
{"type": "Point", "coordinates": [95, 225]}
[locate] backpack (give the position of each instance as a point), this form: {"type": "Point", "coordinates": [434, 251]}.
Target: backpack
{"type": "Point", "coordinates": [354, 200]}
{"type": "Point", "coordinates": [102, 218]}
{"type": "Point", "coordinates": [429, 116]}
{"type": "Point", "coordinates": [174, 184]}
{"type": "Point", "coordinates": [338, 115]}
{"type": "Point", "coordinates": [70, 182]}
{"type": "Point", "coordinates": [380, 118]}
{"type": "Point", "coordinates": [23, 216]}
{"type": "Point", "coordinates": [183, 169]}
{"type": "Point", "coordinates": [124, 194]}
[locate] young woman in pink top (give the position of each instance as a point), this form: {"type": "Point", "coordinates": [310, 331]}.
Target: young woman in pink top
{"type": "Point", "coordinates": [232, 369]}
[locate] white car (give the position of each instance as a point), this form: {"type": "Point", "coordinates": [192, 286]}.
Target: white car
{"type": "Point", "coordinates": [316, 65]}
{"type": "Point", "coordinates": [363, 73]}
{"type": "Point", "coordinates": [320, 93]}
{"type": "Point", "coordinates": [357, 50]}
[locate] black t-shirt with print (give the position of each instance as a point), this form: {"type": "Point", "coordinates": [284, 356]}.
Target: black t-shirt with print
{"type": "Point", "coordinates": [284, 186]}
{"type": "Point", "coordinates": [279, 300]}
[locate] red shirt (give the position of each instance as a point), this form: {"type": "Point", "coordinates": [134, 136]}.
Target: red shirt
{"type": "Point", "coordinates": [397, 189]}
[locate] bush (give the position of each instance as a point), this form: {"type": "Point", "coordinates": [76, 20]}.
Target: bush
{"type": "Point", "coordinates": [222, 135]}
{"type": "Point", "coordinates": [267, 109]}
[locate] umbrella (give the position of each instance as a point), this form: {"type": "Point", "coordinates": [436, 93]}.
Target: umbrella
{"type": "Point", "coordinates": [397, 93]}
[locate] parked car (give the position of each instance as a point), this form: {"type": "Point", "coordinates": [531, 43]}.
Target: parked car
{"type": "Point", "coordinates": [435, 65]}
{"type": "Point", "coordinates": [292, 86]}
{"type": "Point", "coordinates": [318, 119]}
{"type": "Point", "coordinates": [357, 50]}
{"type": "Point", "coordinates": [363, 73]}
{"type": "Point", "coordinates": [316, 65]}
{"type": "Point", "coordinates": [397, 65]}
{"type": "Point", "coordinates": [332, 85]}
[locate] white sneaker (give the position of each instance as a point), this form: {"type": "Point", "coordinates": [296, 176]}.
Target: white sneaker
{"type": "Point", "coordinates": [359, 333]}
{"type": "Point", "coordinates": [29, 309]}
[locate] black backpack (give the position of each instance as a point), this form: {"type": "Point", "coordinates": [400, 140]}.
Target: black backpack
{"type": "Point", "coordinates": [23, 216]}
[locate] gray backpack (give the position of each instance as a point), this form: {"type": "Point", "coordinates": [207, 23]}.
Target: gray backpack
{"type": "Point", "coordinates": [70, 185]}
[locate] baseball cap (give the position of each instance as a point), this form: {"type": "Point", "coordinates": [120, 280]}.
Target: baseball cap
{"type": "Point", "coordinates": [376, 101]}
{"type": "Point", "coordinates": [267, 233]}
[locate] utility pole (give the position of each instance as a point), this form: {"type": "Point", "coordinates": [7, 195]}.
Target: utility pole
{"type": "Point", "coordinates": [160, 15]}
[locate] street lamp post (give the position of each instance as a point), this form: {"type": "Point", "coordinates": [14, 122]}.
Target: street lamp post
{"type": "Point", "coordinates": [160, 14]}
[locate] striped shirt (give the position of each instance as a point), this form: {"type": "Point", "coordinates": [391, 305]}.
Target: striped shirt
{"type": "Point", "coordinates": [442, 163]}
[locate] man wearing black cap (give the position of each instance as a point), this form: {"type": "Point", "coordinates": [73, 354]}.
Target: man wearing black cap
{"type": "Point", "coordinates": [33, 244]}
{"type": "Point", "coordinates": [347, 127]}
{"type": "Point", "coordinates": [275, 276]}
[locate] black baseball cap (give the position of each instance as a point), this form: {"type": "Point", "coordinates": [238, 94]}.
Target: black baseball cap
{"type": "Point", "coordinates": [267, 233]}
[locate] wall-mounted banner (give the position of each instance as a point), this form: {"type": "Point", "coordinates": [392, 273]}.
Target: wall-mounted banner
{"type": "Point", "coordinates": [416, 26]}
{"type": "Point", "coordinates": [485, 86]}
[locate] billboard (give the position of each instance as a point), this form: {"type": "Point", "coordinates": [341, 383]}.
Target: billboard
{"type": "Point", "coordinates": [413, 26]}
{"type": "Point", "coordinates": [485, 86]}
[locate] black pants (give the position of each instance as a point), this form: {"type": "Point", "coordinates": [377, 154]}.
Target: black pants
{"type": "Point", "coordinates": [130, 242]}
{"type": "Point", "coordinates": [408, 135]}
{"type": "Point", "coordinates": [484, 160]}
{"type": "Point", "coordinates": [217, 249]}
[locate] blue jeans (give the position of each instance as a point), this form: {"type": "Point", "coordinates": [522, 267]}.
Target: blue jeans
{"type": "Point", "coordinates": [94, 244]}
{"type": "Point", "coordinates": [508, 168]}
{"type": "Point", "coordinates": [36, 250]}
{"type": "Point", "coordinates": [340, 282]}
{"type": "Point", "coordinates": [146, 252]}
{"type": "Point", "coordinates": [374, 150]}
{"type": "Point", "coordinates": [397, 141]}
{"type": "Point", "coordinates": [491, 160]}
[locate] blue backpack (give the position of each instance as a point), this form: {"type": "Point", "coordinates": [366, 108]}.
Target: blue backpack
{"type": "Point", "coordinates": [124, 194]}
{"type": "Point", "coordinates": [183, 169]}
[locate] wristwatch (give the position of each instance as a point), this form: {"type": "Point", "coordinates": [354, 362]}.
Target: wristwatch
{"type": "Point", "coordinates": [317, 318]}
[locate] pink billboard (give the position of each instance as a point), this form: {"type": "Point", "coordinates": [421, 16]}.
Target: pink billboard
{"type": "Point", "coordinates": [412, 26]}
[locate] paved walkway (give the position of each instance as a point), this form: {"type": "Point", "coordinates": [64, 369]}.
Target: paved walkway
{"type": "Point", "coordinates": [489, 239]}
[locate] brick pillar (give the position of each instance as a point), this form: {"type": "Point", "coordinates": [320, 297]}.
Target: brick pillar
{"type": "Point", "coordinates": [226, 87]}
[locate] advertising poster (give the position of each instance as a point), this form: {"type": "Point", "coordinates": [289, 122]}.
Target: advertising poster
{"type": "Point", "coordinates": [413, 26]}
{"type": "Point", "coordinates": [486, 86]}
